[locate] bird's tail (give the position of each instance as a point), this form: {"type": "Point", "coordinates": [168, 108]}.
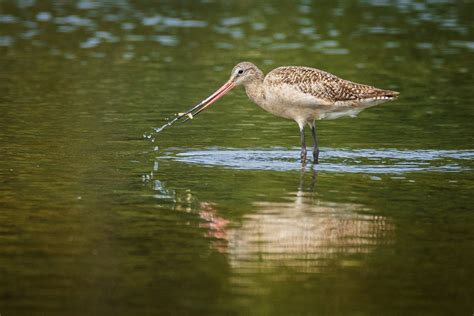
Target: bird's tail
{"type": "Point", "coordinates": [390, 94]}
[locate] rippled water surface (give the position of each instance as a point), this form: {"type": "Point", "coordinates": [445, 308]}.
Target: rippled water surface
{"type": "Point", "coordinates": [385, 161]}
{"type": "Point", "coordinates": [99, 215]}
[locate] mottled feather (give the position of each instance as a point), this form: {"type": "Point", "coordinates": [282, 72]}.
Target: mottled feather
{"type": "Point", "coordinates": [325, 86]}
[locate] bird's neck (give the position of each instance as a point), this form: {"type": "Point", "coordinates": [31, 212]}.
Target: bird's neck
{"type": "Point", "coordinates": [255, 91]}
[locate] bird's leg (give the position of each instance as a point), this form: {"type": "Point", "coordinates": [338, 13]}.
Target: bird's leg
{"type": "Point", "coordinates": [303, 145]}
{"type": "Point", "coordinates": [316, 147]}
{"type": "Point", "coordinates": [302, 172]}
{"type": "Point", "coordinates": [314, 177]}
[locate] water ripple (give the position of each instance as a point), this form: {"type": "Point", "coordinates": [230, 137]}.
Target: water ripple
{"type": "Point", "coordinates": [333, 160]}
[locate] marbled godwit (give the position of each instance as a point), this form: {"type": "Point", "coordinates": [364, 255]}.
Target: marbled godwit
{"type": "Point", "coordinates": [302, 94]}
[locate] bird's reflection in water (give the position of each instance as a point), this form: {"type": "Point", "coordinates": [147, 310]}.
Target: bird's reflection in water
{"type": "Point", "coordinates": [301, 233]}
{"type": "Point", "coordinates": [217, 226]}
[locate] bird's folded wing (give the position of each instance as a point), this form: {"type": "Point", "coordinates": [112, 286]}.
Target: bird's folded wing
{"type": "Point", "coordinates": [326, 88]}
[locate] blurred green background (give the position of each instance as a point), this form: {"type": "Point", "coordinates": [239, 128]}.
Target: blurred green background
{"type": "Point", "coordinates": [215, 216]}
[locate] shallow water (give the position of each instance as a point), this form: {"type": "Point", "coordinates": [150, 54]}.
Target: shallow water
{"type": "Point", "coordinates": [370, 161]}
{"type": "Point", "coordinates": [217, 215]}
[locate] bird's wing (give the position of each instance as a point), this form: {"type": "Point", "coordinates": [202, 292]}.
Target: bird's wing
{"type": "Point", "coordinates": [323, 87]}
{"type": "Point", "coordinates": [344, 90]}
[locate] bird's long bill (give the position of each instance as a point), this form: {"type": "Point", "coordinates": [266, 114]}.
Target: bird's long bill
{"type": "Point", "coordinates": [211, 99]}
{"type": "Point", "coordinates": [195, 110]}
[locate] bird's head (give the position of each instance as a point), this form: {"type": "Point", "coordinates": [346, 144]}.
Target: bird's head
{"type": "Point", "coordinates": [244, 73]}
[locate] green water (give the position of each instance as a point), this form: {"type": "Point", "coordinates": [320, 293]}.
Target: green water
{"type": "Point", "coordinates": [216, 216]}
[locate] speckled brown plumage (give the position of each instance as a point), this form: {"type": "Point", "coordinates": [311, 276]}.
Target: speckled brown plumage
{"type": "Point", "coordinates": [302, 94]}
{"type": "Point", "coordinates": [324, 85]}
{"type": "Point", "coordinates": [306, 94]}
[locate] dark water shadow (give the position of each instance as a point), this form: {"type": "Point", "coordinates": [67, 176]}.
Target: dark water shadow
{"type": "Point", "coordinates": [332, 160]}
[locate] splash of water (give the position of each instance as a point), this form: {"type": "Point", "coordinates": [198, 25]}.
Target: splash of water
{"type": "Point", "coordinates": [160, 129]}
{"type": "Point", "coordinates": [156, 130]}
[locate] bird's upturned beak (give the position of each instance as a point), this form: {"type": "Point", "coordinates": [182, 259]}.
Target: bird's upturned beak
{"type": "Point", "coordinates": [209, 100]}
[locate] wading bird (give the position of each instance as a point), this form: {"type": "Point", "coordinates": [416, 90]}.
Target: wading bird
{"type": "Point", "coordinates": [302, 94]}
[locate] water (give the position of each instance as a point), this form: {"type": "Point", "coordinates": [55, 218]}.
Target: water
{"type": "Point", "coordinates": [217, 216]}
{"type": "Point", "coordinates": [385, 161]}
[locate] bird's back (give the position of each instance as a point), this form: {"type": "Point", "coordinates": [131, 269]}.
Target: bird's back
{"type": "Point", "coordinates": [325, 87]}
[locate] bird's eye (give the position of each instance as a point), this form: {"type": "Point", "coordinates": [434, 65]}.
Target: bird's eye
{"type": "Point", "coordinates": [240, 71]}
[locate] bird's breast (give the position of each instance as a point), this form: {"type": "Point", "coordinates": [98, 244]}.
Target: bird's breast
{"type": "Point", "coordinates": [287, 102]}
